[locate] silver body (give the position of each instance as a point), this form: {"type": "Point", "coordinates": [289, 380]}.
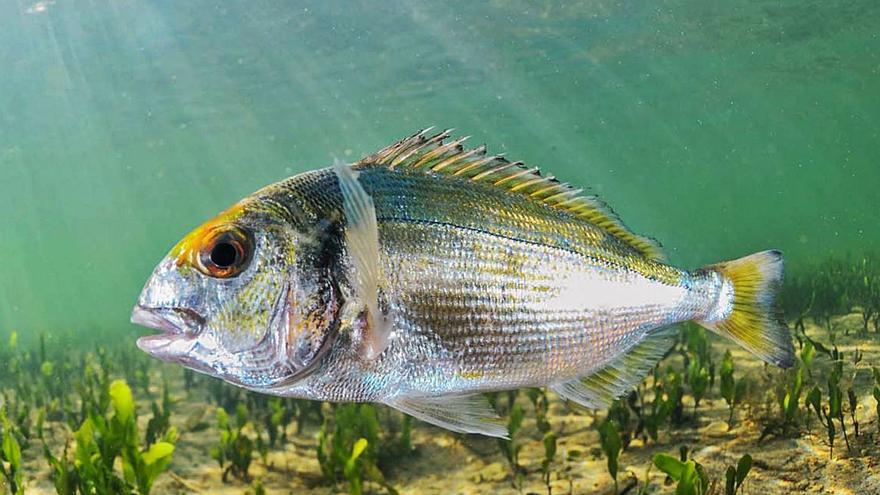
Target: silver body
{"type": "Point", "coordinates": [483, 301]}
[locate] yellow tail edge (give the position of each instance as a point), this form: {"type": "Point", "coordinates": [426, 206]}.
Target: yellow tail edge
{"type": "Point", "coordinates": [753, 319]}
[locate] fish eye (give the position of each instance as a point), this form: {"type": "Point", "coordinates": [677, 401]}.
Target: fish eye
{"type": "Point", "coordinates": [226, 253]}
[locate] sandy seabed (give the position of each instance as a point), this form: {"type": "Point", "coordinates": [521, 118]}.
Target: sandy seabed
{"type": "Point", "coordinates": [448, 463]}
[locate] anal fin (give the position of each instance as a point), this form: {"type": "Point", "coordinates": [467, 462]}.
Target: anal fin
{"type": "Point", "coordinates": [599, 389]}
{"type": "Point", "coordinates": [460, 413]}
{"type": "Point", "coordinates": [362, 241]}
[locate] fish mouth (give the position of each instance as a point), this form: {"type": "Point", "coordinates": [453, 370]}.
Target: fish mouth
{"type": "Point", "coordinates": [179, 326]}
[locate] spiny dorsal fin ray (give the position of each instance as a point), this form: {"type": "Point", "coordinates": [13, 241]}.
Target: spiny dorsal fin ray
{"type": "Point", "coordinates": [599, 389]}
{"type": "Point", "coordinates": [433, 153]}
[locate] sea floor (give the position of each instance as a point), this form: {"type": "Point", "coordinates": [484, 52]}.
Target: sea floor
{"type": "Point", "coordinates": [448, 463]}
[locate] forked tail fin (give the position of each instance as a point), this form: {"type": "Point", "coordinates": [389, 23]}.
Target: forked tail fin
{"type": "Point", "coordinates": [750, 316]}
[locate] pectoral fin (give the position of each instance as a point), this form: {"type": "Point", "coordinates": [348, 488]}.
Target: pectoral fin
{"type": "Point", "coordinates": [362, 241]}
{"type": "Point", "coordinates": [459, 413]}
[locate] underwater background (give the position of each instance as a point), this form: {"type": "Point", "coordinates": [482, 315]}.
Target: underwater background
{"type": "Point", "coordinates": [718, 128]}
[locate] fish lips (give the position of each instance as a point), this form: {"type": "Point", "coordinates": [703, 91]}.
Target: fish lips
{"type": "Point", "coordinates": [179, 327]}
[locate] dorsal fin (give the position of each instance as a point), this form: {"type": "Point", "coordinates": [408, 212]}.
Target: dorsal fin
{"type": "Point", "coordinates": [434, 153]}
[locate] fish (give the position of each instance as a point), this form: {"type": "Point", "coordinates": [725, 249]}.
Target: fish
{"type": "Point", "coordinates": [427, 274]}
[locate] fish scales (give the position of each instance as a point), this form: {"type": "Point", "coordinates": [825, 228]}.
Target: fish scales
{"type": "Point", "coordinates": [482, 292]}
{"type": "Point", "coordinates": [500, 330]}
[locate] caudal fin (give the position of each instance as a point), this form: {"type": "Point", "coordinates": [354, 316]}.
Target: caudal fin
{"type": "Point", "coordinates": [750, 316]}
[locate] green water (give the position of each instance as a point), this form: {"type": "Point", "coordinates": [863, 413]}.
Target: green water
{"type": "Point", "coordinates": [718, 130]}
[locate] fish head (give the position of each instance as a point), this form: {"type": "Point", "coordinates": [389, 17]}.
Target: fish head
{"type": "Point", "coordinates": [230, 302]}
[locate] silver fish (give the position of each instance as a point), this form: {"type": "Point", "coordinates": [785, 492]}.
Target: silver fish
{"type": "Point", "coordinates": [428, 273]}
